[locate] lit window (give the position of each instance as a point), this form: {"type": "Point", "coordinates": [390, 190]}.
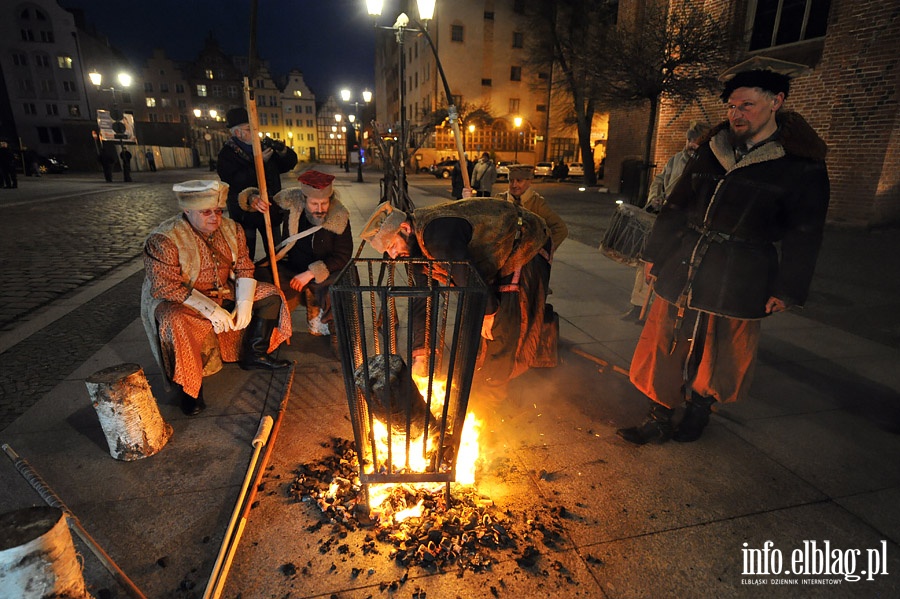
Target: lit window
{"type": "Point", "coordinates": [208, 73]}
{"type": "Point", "coordinates": [778, 22]}
{"type": "Point", "coordinates": [151, 102]}
{"type": "Point", "coordinates": [201, 91]}
{"type": "Point", "coordinates": [64, 62]}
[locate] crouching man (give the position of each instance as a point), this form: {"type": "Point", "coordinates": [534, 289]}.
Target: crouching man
{"type": "Point", "coordinates": [319, 245]}
{"type": "Point", "coordinates": [199, 296]}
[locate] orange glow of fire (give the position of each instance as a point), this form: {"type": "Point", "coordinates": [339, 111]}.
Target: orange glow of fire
{"type": "Point", "coordinates": [466, 461]}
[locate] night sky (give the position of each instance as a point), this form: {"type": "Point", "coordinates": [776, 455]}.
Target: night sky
{"type": "Point", "coordinates": [331, 41]}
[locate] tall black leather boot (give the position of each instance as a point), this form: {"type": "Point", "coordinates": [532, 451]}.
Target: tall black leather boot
{"type": "Point", "coordinates": [696, 417]}
{"type": "Point", "coordinates": [191, 406]}
{"type": "Point", "coordinates": [657, 427]}
{"type": "Point", "coordinates": [256, 342]}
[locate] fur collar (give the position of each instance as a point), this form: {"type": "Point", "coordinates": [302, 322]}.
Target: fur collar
{"type": "Point", "coordinates": [292, 199]}
{"type": "Point", "coordinates": [797, 138]}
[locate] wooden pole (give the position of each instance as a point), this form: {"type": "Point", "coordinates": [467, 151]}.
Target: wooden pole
{"type": "Point", "coordinates": [253, 117]}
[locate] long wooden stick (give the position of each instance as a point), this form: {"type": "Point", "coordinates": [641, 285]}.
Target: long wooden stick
{"type": "Point", "coordinates": [253, 118]}
{"type": "Point", "coordinates": [251, 497]}
{"type": "Point", "coordinates": [259, 440]}
{"type": "Point", "coordinates": [53, 500]}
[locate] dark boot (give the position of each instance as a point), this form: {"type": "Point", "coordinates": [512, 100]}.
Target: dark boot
{"type": "Point", "coordinates": [191, 406]}
{"type": "Point", "coordinates": [696, 417]}
{"type": "Point", "coordinates": [256, 342]}
{"type": "Point", "coordinates": [657, 427]}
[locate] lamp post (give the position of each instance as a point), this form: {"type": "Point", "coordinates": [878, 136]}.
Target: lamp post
{"type": "Point", "coordinates": [338, 118]}
{"type": "Point", "coordinates": [346, 94]}
{"type": "Point", "coordinates": [212, 115]}
{"type": "Point", "coordinates": [118, 125]}
{"type": "Point", "coordinates": [517, 122]}
{"type": "Point", "coordinates": [396, 191]}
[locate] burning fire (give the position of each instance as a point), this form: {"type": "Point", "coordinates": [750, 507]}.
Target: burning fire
{"type": "Point", "coordinates": [466, 459]}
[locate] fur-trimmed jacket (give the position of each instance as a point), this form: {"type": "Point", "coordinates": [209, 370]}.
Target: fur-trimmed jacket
{"type": "Point", "coordinates": [713, 246]}
{"type": "Point", "coordinates": [326, 251]}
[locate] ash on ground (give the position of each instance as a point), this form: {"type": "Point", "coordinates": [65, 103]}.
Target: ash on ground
{"type": "Point", "coordinates": [469, 534]}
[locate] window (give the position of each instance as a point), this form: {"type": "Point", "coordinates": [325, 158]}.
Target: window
{"type": "Point", "coordinates": [541, 108]}
{"type": "Point", "coordinates": [164, 88]}
{"type": "Point", "coordinates": [309, 110]}
{"type": "Point", "coordinates": [456, 33]}
{"type": "Point", "coordinates": [154, 118]}
{"type": "Point", "coordinates": [42, 60]}
{"type": "Point", "coordinates": [165, 102]}
{"type": "Point", "coordinates": [208, 73]}
{"type": "Point", "coordinates": [148, 87]}
{"type": "Point", "coordinates": [488, 16]}
{"type": "Point", "coordinates": [515, 73]}
{"type": "Point", "coordinates": [126, 98]}
{"type": "Point", "coordinates": [232, 91]}
{"type": "Point", "coordinates": [201, 91]}
{"type": "Point", "coordinates": [486, 82]}
{"type": "Point", "coordinates": [778, 22]}
{"type": "Point", "coordinates": [20, 60]}
{"type": "Point", "coordinates": [47, 86]}
{"type": "Point", "coordinates": [263, 119]}
{"type": "Point", "coordinates": [275, 120]}
{"type": "Point", "coordinates": [179, 88]}
{"type": "Point", "coordinates": [29, 108]}
{"type": "Point", "coordinates": [47, 37]}
{"type": "Point", "coordinates": [27, 35]}
{"type": "Point", "coordinates": [69, 86]}
{"type": "Point", "coordinates": [518, 40]}
{"type": "Point", "coordinates": [309, 123]}
{"type": "Point", "coordinates": [544, 76]}
{"type": "Point", "coordinates": [288, 122]}
{"type": "Point", "coordinates": [52, 110]}
{"type": "Point", "coordinates": [64, 62]}
{"type": "Point", "coordinates": [514, 105]}
{"type": "Point", "coordinates": [151, 102]}
{"type": "Point", "coordinates": [309, 137]}
{"type": "Point", "coordinates": [182, 103]}
{"type": "Point", "coordinates": [74, 110]}
{"type": "Point", "coordinates": [217, 91]}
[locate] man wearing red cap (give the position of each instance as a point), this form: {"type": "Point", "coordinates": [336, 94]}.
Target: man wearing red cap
{"type": "Point", "coordinates": [199, 296]}
{"type": "Point", "coordinates": [757, 180]}
{"type": "Point", "coordinates": [318, 246]}
{"type": "Point", "coordinates": [236, 167]}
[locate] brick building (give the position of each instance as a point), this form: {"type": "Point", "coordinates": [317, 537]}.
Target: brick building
{"type": "Point", "coordinates": [849, 96]}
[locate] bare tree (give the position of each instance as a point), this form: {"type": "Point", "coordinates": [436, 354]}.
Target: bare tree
{"type": "Point", "coordinates": [672, 51]}
{"type": "Point", "coordinates": [565, 38]}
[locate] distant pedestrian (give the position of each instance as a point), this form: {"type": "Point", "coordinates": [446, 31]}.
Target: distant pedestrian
{"type": "Point", "coordinates": [8, 177]}
{"type": "Point", "coordinates": [758, 179]}
{"type": "Point", "coordinates": [106, 160]}
{"type": "Point", "coordinates": [151, 160]}
{"type": "Point", "coordinates": [32, 162]}
{"type": "Point", "coordinates": [484, 175]}
{"type": "Point", "coordinates": [125, 155]}
{"type": "Point", "coordinates": [457, 183]}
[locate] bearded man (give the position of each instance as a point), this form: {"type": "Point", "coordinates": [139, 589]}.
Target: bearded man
{"type": "Point", "coordinates": [757, 180]}
{"type": "Point", "coordinates": [200, 304]}
{"type": "Point", "coordinates": [319, 245]}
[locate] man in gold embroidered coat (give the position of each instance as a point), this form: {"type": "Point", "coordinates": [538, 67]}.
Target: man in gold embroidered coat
{"type": "Point", "coordinates": [508, 246]}
{"type": "Point", "coordinates": [199, 296]}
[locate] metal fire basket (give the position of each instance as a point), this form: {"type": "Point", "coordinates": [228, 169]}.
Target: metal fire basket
{"type": "Point", "coordinates": [387, 312]}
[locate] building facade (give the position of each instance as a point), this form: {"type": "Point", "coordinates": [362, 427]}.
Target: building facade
{"type": "Point", "coordinates": [299, 108]}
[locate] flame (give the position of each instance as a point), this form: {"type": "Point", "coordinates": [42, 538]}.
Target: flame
{"type": "Point", "coordinates": [466, 461]}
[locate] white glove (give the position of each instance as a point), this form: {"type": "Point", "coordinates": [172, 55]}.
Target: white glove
{"type": "Point", "coordinates": [245, 289]}
{"type": "Point", "coordinates": [487, 327]}
{"type": "Point", "coordinates": [466, 193]}
{"type": "Point", "coordinates": [216, 314]}
{"type": "Point", "coordinates": [420, 366]}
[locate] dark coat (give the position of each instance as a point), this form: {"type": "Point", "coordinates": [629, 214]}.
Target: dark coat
{"type": "Point", "coordinates": [236, 167]}
{"type": "Point", "coordinates": [726, 218]}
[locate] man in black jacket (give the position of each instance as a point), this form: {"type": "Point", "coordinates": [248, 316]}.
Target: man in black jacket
{"type": "Point", "coordinates": [236, 167]}
{"type": "Point", "coordinates": [757, 180]}
{"type": "Point", "coordinates": [319, 245]}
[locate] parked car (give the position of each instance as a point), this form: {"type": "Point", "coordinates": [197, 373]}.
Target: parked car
{"type": "Point", "coordinates": [444, 168]}
{"type": "Point", "coordinates": [45, 164]}
{"type": "Point", "coordinates": [543, 169]}
{"type": "Point", "coordinates": [503, 169]}
{"type": "Point", "coordinates": [576, 169]}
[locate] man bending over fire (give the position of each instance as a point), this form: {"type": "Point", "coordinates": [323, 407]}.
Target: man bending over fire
{"type": "Point", "coordinates": [508, 246]}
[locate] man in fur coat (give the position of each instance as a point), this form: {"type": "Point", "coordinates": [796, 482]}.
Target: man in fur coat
{"type": "Point", "coordinates": [318, 246]}
{"type": "Point", "coordinates": [200, 304]}
{"type": "Point", "coordinates": [508, 246]}
{"type": "Point", "coordinates": [757, 180]}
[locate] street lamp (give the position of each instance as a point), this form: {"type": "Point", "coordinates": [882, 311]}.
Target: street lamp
{"type": "Point", "coordinates": [397, 190]}
{"type": "Point", "coordinates": [118, 124]}
{"type": "Point", "coordinates": [346, 94]}
{"type": "Point", "coordinates": [517, 122]}
{"type": "Point", "coordinates": [213, 114]}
